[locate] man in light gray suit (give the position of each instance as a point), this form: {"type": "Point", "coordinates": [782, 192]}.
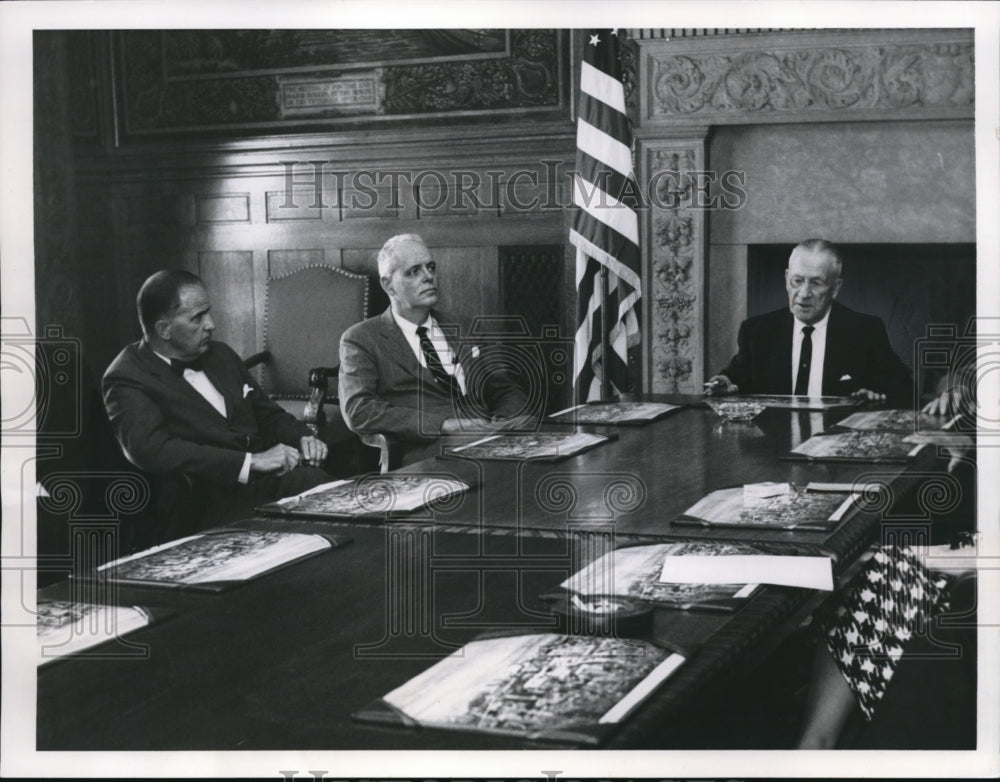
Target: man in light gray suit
{"type": "Point", "coordinates": [404, 373]}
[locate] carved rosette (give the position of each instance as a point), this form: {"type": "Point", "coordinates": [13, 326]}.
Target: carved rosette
{"type": "Point", "coordinates": [781, 80]}
{"type": "Point", "coordinates": [675, 263]}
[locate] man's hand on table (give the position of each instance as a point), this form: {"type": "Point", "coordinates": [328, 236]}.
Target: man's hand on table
{"type": "Point", "coordinates": [278, 459]}
{"type": "Point", "coordinates": [867, 395]}
{"type": "Point", "coordinates": [720, 384]}
{"type": "Point", "coordinates": [314, 450]}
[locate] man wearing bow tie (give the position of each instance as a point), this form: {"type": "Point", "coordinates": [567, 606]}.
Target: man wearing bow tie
{"type": "Point", "coordinates": [405, 374]}
{"type": "Point", "coordinates": [816, 346]}
{"type": "Point", "coordinates": [183, 405]}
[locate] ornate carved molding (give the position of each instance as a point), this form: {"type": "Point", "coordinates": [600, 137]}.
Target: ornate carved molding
{"type": "Point", "coordinates": [775, 77]}
{"type": "Point", "coordinates": [197, 83]}
{"type": "Point", "coordinates": [674, 246]}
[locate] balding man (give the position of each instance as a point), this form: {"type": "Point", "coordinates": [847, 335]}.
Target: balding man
{"type": "Point", "coordinates": [815, 346]}
{"type": "Point", "coordinates": [183, 406]}
{"type": "Point", "coordinates": [404, 373]}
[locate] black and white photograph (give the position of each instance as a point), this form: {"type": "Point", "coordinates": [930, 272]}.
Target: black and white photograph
{"type": "Point", "coordinates": [345, 345]}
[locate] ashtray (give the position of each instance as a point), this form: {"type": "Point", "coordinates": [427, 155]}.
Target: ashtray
{"type": "Point", "coordinates": [736, 409]}
{"type": "Point", "coordinates": [601, 615]}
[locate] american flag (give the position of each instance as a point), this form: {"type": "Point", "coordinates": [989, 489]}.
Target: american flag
{"type": "Point", "coordinates": [605, 228]}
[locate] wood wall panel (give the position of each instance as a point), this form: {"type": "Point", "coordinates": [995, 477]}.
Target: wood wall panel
{"type": "Point", "coordinates": [229, 277]}
{"type": "Point", "coordinates": [460, 281]}
{"type": "Point", "coordinates": [300, 204]}
{"type": "Point", "coordinates": [282, 262]}
{"type": "Point", "coordinates": [363, 201]}
{"type": "Point", "coordinates": [361, 260]}
{"type": "Point", "coordinates": [229, 208]}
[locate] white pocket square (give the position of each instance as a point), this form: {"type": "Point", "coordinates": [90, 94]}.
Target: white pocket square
{"type": "Point", "coordinates": [845, 377]}
{"type": "Point", "coordinates": [475, 352]}
{"type": "Point", "coordinates": [246, 390]}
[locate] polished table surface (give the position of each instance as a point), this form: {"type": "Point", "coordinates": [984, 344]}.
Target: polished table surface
{"type": "Point", "coordinates": [281, 662]}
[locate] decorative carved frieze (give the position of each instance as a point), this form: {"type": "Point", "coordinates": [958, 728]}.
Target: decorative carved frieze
{"type": "Point", "coordinates": [673, 243]}
{"type": "Point", "coordinates": [775, 80]}
{"type": "Point", "coordinates": [251, 80]}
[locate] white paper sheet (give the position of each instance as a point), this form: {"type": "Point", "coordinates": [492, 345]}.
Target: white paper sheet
{"type": "Point", "coordinates": [808, 572]}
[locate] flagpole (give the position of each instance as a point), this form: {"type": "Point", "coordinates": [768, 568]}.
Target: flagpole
{"type": "Point", "coordinates": [605, 337]}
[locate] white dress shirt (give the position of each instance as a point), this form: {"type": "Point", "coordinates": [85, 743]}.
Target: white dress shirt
{"type": "Point", "coordinates": [199, 382]}
{"type": "Point", "coordinates": [447, 356]}
{"type": "Point", "coordinates": [815, 387]}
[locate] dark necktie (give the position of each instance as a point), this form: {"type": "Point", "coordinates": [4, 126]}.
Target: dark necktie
{"type": "Point", "coordinates": [434, 362]}
{"type": "Point", "coordinates": [179, 366]}
{"type": "Point", "coordinates": [805, 361]}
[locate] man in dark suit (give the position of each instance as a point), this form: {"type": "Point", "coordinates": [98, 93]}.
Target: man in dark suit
{"type": "Point", "coordinates": [183, 407]}
{"type": "Point", "coordinates": [405, 375]}
{"type": "Point", "coordinates": [816, 346]}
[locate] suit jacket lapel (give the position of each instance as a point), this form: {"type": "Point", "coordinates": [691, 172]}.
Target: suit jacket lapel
{"type": "Point", "coordinates": [836, 350]}
{"type": "Point", "coordinates": [781, 370]}
{"type": "Point", "coordinates": [224, 382]}
{"type": "Point", "coordinates": [158, 367]}
{"type": "Point", "coordinates": [398, 349]}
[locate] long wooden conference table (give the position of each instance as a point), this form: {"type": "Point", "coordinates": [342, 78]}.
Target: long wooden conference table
{"type": "Point", "coordinates": [281, 662]}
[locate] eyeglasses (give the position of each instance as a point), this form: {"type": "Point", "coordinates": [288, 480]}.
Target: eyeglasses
{"type": "Point", "coordinates": [818, 285]}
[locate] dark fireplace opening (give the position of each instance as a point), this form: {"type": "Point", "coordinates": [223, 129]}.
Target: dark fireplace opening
{"type": "Point", "coordinates": [909, 286]}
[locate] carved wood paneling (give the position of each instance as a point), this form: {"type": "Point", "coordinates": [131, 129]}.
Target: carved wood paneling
{"type": "Point", "coordinates": [674, 252]}
{"type": "Point", "coordinates": [788, 76]}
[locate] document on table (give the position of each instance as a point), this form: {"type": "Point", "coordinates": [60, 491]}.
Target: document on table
{"type": "Point", "coordinates": [806, 572]}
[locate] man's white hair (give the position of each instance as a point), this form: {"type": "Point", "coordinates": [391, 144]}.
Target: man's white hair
{"type": "Point", "coordinates": [820, 246]}
{"type": "Point", "coordinates": [387, 255]}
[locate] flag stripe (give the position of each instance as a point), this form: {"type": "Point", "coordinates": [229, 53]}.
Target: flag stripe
{"type": "Point", "coordinates": [603, 207]}
{"type": "Point", "coordinates": [603, 147]}
{"type": "Point", "coordinates": [624, 189]}
{"type": "Point", "coordinates": [600, 115]}
{"type": "Point", "coordinates": [610, 248]}
{"type": "Point", "coordinates": [605, 88]}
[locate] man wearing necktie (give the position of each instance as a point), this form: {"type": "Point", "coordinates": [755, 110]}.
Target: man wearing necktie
{"type": "Point", "coordinates": [406, 374]}
{"type": "Point", "coordinates": [816, 346]}
{"type": "Point", "coordinates": [183, 405]}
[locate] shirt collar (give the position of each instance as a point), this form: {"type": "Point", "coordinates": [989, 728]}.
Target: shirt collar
{"type": "Point", "coordinates": [408, 327]}
{"type": "Point", "coordinates": [169, 362]}
{"type": "Point", "coordinates": [818, 326]}
{"type": "Point", "coordinates": [161, 356]}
